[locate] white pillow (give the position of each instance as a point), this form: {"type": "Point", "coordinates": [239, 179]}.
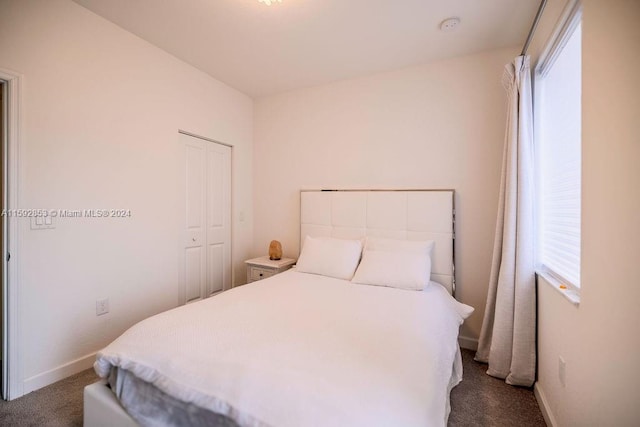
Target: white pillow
{"type": "Point", "coordinates": [404, 264]}
{"type": "Point", "coordinates": [330, 257]}
{"type": "Point", "coordinates": [405, 270]}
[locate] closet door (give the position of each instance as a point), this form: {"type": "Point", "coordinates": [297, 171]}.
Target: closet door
{"type": "Point", "coordinates": [218, 204]}
{"type": "Point", "coordinates": [206, 247]}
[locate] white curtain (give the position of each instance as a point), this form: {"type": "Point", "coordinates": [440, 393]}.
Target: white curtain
{"type": "Point", "coordinates": [508, 336]}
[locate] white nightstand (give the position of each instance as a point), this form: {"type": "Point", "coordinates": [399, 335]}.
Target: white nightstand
{"type": "Point", "coordinates": [262, 267]}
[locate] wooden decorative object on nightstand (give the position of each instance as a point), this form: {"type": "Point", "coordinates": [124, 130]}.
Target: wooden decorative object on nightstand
{"type": "Point", "coordinates": [262, 267]}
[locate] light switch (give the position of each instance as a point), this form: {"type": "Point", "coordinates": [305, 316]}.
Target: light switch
{"type": "Point", "coordinates": [42, 222]}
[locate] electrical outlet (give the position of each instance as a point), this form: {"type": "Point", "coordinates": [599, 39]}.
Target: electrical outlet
{"type": "Point", "coordinates": [562, 371]}
{"type": "Point", "coordinates": [102, 306]}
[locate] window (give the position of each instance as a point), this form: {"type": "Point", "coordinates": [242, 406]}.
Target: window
{"type": "Point", "coordinates": [558, 153]}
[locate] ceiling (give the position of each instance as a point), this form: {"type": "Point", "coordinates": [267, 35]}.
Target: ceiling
{"type": "Point", "coordinates": [263, 50]}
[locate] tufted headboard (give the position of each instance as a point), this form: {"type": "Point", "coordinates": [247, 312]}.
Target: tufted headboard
{"type": "Point", "coordinates": [396, 214]}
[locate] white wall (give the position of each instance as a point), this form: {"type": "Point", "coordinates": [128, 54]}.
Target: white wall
{"type": "Point", "coordinates": [599, 339]}
{"type": "Point", "coordinates": [440, 125]}
{"type": "Point", "coordinates": [101, 112]}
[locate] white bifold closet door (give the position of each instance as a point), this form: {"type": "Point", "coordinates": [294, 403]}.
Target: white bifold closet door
{"type": "Point", "coordinates": [206, 248]}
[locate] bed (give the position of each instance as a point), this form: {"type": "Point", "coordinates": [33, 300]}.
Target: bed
{"type": "Point", "coordinates": [355, 334]}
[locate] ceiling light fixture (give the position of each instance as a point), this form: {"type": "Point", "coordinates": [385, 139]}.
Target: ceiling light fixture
{"type": "Point", "coordinates": [268, 2]}
{"type": "Point", "coordinates": [450, 24]}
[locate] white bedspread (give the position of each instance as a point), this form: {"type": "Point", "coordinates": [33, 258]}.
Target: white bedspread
{"type": "Point", "coordinates": [304, 350]}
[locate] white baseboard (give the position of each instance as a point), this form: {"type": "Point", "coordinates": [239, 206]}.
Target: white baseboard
{"type": "Point", "coordinates": [56, 374]}
{"type": "Point", "coordinates": [544, 405]}
{"type": "Point", "coordinates": [468, 343]}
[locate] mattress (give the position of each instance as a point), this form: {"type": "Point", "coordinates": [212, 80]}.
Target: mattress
{"type": "Point", "coordinates": [295, 349]}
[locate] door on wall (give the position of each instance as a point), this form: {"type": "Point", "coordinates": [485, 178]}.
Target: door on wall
{"type": "Point", "coordinates": [3, 248]}
{"type": "Point", "coordinates": [206, 245]}
{"type": "Point", "coordinates": [9, 108]}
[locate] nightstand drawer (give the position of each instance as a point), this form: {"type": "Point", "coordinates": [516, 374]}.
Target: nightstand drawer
{"type": "Point", "coordinates": [262, 267]}
{"type": "Point", "coordinates": [260, 273]}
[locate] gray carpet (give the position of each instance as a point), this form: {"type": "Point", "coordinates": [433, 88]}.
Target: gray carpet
{"type": "Point", "coordinates": [479, 400]}
{"type": "Point", "coordinates": [57, 405]}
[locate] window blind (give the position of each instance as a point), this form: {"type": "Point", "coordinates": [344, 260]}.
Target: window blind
{"type": "Point", "coordinates": [558, 145]}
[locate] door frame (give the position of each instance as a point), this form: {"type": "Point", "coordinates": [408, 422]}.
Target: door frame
{"type": "Point", "coordinates": [181, 296]}
{"type": "Point", "coordinates": [12, 385]}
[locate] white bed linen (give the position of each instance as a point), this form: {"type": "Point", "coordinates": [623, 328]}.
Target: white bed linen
{"type": "Point", "coordinates": [300, 349]}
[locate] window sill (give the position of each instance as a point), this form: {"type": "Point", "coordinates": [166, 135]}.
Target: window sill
{"type": "Point", "coordinates": [570, 293]}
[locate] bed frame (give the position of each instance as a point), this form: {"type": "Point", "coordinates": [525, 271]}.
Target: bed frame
{"type": "Point", "coordinates": [399, 214]}
{"type": "Point", "coordinates": [395, 214]}
{"type": "Point", "coordinates": [102, 408]}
